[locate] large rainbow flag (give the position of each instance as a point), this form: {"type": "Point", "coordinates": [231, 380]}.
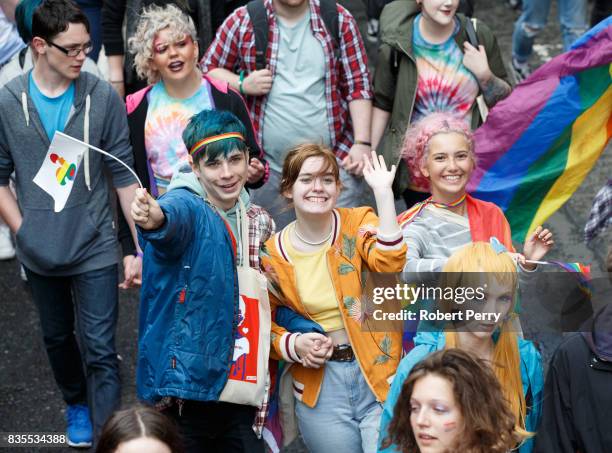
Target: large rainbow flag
{"type": "Point", "coordinates": [539, 143]}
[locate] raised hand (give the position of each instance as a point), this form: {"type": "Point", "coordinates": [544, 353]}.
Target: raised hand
{"type": "Point", "coordinates": [538, 244]}
{"type": "Point", "coordinates": [376, 174]}
{"type": "Point", "coordinates": [146, 211]}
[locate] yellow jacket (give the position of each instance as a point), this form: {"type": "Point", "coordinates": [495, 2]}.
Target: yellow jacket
{"type": "Point", "coordinates": [355, 246]}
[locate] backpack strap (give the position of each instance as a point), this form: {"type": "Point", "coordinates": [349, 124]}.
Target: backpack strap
{"type": "Point", "coordinates": [259, 19]}
{"type": "Point", "coordinates": [22, 55]}
{"type": "Point", "coordinates": [330, 16]}
{"type": "Point", "coordinates": [470, 29]}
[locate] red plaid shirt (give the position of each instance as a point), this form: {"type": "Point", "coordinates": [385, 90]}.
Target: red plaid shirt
{"type": "Point", "coordinates": [346, 79]}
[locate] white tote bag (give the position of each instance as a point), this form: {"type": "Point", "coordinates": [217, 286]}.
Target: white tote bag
{"type": "Point", "coordinates": [246, 382]}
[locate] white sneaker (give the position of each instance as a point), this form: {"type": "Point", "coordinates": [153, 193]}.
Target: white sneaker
{"type": "Point", "coordinates": [7, 251]}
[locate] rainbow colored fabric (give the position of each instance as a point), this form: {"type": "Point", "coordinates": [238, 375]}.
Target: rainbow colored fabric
{"type": "Point", "coordinates": [580, 271]}
{"type": "Point", "coordinates": [539, 143]}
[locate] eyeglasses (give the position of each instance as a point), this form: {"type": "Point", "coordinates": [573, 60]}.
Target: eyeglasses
{"type": "Point", "coordinates": [75, 51]}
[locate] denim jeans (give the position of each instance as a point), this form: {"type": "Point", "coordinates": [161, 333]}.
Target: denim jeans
{"type": "Point", "coordinates": [269, 197]}
{"type": "Point", "coordinates": [87, 370]}
{"type": "Point", "coordinates": [216, 427]}
{"type": "Point", "coordinates": [347, 415]}
{"type": "Point", "coordinates": [572, 17]}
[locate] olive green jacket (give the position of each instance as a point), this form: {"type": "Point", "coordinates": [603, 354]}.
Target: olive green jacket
{"type": "Point", "coordinates": [395, 91]}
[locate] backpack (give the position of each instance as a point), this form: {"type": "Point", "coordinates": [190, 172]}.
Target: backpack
{"type": "Point", "coordinates": [259, 19]}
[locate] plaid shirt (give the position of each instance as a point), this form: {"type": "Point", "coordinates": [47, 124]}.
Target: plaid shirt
{"type": "Point", "coordinates": [601, 213]}
{"type": "Point", "coordinates": [346, 79]}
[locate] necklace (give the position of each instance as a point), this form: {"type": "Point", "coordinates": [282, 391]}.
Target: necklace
{"type": "Point", "coordinates": [295, 230]}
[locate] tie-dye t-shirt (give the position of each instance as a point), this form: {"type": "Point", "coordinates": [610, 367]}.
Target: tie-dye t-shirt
{"type": "Point", "coordinates": [444, 84]}
{"type": "Point", "coordinates": [166, 119]}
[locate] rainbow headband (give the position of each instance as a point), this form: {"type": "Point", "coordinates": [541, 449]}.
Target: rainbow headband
{"type": "Point", "coordinates": [215, 138]}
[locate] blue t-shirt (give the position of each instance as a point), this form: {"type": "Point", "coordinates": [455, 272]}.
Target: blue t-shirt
{"type": "Point", "coordinates": [53, 112]}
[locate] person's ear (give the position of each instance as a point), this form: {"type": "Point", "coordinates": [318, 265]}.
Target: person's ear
{"type": "Point", "coordinates": [39, 45]}
{"type": "Point", "coordinates": [424, 169]}
{"type": "Point", "coordinates": [193, 165]}
{"type": "Point", "coordinates": [196, 51]}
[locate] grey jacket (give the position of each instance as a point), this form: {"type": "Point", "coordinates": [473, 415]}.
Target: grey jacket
{"type": "Point", "coordinates": [82, 236]}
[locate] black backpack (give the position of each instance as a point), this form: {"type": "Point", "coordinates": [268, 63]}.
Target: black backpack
{"type": "Point", "coordinates": [259, 19]}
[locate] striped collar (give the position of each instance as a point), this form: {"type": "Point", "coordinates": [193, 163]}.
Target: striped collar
{"type": "Point", "coordinates": [282, 249]}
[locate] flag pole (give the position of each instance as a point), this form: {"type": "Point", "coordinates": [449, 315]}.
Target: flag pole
{"type": "Point", "coordinates": [103, 152]}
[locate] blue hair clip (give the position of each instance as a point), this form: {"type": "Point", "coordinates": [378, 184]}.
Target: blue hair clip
{"type": "Point", "coordinates": [497, 246]}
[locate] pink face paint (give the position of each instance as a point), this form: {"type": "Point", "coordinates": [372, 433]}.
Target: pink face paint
{"type": "Point", "coordinates": [449, 426]}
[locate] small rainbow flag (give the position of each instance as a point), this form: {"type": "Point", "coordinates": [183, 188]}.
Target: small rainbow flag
{"type": "Point", "coordinates": [580, 271]}
{"type": "Point", "coordinates": [539, 143]}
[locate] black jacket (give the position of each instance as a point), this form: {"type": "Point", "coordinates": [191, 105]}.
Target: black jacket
{"type": "Point", "coordinates": [577, 414]}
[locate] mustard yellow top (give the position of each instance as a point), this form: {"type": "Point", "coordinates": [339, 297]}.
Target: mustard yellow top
{"type": "Point", "coordinates": [314, 285]}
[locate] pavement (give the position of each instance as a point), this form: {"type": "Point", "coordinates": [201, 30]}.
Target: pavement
{"type": "Point", "coordinates": [29, 399]}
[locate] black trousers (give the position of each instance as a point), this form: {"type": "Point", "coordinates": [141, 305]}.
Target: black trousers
{"type": "Point", "coordinates": [215, 427]}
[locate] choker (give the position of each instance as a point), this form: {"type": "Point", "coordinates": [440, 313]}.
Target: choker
{"type": "Point", "coordinates": [295, 230]}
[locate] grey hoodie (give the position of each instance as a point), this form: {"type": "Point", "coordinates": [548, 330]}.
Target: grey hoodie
{"type": "Point", "coordinates": [82, 236]}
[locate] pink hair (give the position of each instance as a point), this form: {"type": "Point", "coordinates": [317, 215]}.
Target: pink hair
{"type": "Point", "coordinates": [415, 146]}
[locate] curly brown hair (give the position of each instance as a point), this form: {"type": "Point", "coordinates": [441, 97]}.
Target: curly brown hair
{"type": "Point", "coordinates": [488, 420]}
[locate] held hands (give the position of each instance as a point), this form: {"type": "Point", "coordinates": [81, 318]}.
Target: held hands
{"type": "Point", "coordinates": [314, 349]}
{"type": "Point", "coordinates": [376, 174]}
{"type": "Point", "coordinates": [146, 211]}
{"type": "Point", "coordinates": [257, 83]}
{"type": "Point", "coordinates": [353, 163]}
{"type": "Point", "coordinates": [132, 271]}
{"type": "Point", "coordinates": [256, 171]}
{"type": "Point", "coordinates": [475, 60]}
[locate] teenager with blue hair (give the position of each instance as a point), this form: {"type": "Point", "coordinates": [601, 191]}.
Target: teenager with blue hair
{"type": "Point", "coordinates": [189, 293]}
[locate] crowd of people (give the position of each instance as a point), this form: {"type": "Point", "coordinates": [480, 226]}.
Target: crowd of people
{"type": "Point", "coordinates": [254, 131]}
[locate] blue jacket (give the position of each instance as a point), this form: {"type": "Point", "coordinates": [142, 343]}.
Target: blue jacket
{"type": "Point", "coordinates": [428, 342]}
{"type": "Point", "coordinates": [188, 304]}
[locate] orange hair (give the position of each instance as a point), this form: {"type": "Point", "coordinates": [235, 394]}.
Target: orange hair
{"type": "Point", "coordinates": [480, 257]}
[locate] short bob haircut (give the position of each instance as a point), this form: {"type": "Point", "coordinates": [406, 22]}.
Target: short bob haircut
{"type": "Point", "coordinates": [137, 422]}
{"type": "Point", "coordinates": [488, 422]}
{"type": "Point", "coordinates": [297, 156]}
{"type": "Point", "coordinates": [415, 147]}
{"type": "Point", "coordinates": [50, 18]}
{"type": "Point", "coordinates": [208, 123]}
{"type": "Point", "coordinates": [152, 20]}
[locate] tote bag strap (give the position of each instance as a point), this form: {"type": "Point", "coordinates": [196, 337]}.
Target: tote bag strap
{"type": "Point", "coordinates": [243, 234]}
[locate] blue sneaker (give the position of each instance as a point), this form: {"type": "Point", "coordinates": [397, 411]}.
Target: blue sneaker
{"type": "Point", "coordinates": [79, 432]}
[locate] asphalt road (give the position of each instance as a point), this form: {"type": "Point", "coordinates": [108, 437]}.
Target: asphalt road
{"type": "Point", "coordinates": [29, 399]}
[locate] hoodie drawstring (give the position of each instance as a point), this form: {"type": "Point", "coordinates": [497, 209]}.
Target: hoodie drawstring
{"type": "Point", "coordinates": [24, 106]}
{"type": "Point", "coordinates": [86, 140]}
